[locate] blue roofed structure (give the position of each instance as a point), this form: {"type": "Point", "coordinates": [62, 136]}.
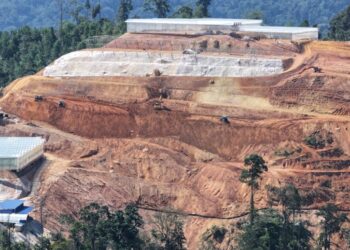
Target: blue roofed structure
{"type": "Point", "coordinates": [14, 212]}
{"type": "Point", "coordinates": [10, 206]}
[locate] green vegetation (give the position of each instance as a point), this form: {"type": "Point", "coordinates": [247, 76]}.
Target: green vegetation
{"type": "Point", "coordinates": [43, 13]}
{"type": "Point", "coordinates": [255, 14]}
{"type": "Point", "coordinates": [271, 231]}
{"type": "Point", "coordinates": [96, 227]}
{"type": "Point", "coordinates": [183, 12]}
{"type": "Point", "coordinates": [123, 14]}
{"type": "Point", "coordinates": [319, 140]}
{"type": "Point", "coordinates": [159, 8]}
{"type": "Point", "coordinates": [340, 26]}
{"type": "Point", "coordinates": [334, 152]}
{"type": "Point", "coordinates": [27, 50]}
{"type": "Point", "coordinates": [213, 237]}
{"type": "Point", "coordinates": [256, 166]}
{"type": "Point", "coordinates": [286, 152]}
{"type": "Point", "coordinates": [332, 220]}
{"type": "Point", "coordinates": [202, 8]}
{"type": "Point", "coordinates": [168, 232]}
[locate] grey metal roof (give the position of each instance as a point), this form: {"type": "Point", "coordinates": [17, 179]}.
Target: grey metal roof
{"type": "Point", "coordinates": [195, 21]}
{"type": "Point", "coordinates": [13, 147]}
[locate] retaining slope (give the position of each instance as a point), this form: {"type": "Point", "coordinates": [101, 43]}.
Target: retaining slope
{"type": "Point", "coordinates": [118, 63]}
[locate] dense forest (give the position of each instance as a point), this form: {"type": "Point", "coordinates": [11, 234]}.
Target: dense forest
{"type": "Point", "coordinates": [43, 13]}
{"type": "Point", "coordinates": [27, 50]}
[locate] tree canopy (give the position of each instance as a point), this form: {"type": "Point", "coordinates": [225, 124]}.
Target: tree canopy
{"type": "Point", "coordinates": [160, 8]}
{"type": "Point", "coordinates": [27, 50]}
{"type": "Point", "coordinates": [18, 13]}
{"type": "Point", "coordinates": [340, 26]}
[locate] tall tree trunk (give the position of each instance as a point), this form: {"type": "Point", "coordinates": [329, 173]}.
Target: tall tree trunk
{"type": "Point", "coordinates": [61, 19]}
{"type": "Point", "coordinates": [325, 239]}
{"type": "Point", "coordinates": [252, 209]}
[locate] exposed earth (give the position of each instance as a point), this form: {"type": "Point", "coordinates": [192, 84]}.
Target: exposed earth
{"type": "Point", "coordinates": [157, 139]}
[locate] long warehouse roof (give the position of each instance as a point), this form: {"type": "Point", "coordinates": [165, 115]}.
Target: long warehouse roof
{"type": "Point", "coordinates": [278, 29]}
{"type": "Point", "coordinates": [13, 147]}
{"type": "Point", "coordinates": [195, 21]}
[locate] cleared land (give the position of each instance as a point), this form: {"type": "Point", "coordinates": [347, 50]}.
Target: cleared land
{"type": "Point", "coordinates": [114, 142]}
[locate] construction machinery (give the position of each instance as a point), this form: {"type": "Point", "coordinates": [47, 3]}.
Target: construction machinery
{"type": "Point", "coordinates": [38, 98]}
{"type": "Point", "coordinates": [225, 119]}
{"type": "Point", "coordinates": [61, 104]}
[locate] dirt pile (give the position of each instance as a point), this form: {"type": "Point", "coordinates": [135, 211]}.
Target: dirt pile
{"type": "Point", "coordinates": [159, 141]}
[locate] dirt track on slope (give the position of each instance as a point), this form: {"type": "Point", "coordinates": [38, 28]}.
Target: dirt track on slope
{"type": "Point", "coordinates": [110, 145]}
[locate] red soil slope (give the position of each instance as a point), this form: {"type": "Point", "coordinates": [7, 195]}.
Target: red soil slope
{"type": "Point", "coordinates": [183, 157]}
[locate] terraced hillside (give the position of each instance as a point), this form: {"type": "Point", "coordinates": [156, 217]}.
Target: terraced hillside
{"type": "Point", "coordinates": [155, 138]}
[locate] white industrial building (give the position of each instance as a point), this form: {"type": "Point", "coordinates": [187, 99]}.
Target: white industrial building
{"type": "Point", "coordinates": [166, 25]}
{"type": "Point", "coordinates": [290, 33]}
{"type": "Point", "coordinates": [18, 152]}
{"type": "Point", "coordinates": [197, 26]}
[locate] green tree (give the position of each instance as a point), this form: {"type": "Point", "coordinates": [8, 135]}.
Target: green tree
{"type": "Point", "coordinates": [255, 14]}
{"type": "Point", "coordinates": [289, 198]}
{"type": "Point", "coordinates": [256, 166]}
{"type": "Point", "coordinates": [97, 228]}
{"type": "Point", "coordinates": [123, 228]}
{"type": "Point", "coordinates": [27, 50]}
{"type": "Point", "coordinates": [304, 23]}
{"type": "Point", "coordinates": [123, 14]}
{"type": "Point", "coordinates": [340, 26]}
{"type": "Point", "coordinates": [201, 9]}
{"type": "Point", "coordinates": [168, 231]}
{"type": "Point", "coordinates": [269, 232]}
{"type": "Point", "coordinates": [332, 221]}
{"type": "Point", "coordinates": [62, 7]}
{"type": "Point", "coordinates": [160, 8]}
{"type": "Point", "coordinates": [43, 244]}
{"type": "Point", "coordinates": [183, 12]}
{"type": "Point", "coordinates": [213, 238]}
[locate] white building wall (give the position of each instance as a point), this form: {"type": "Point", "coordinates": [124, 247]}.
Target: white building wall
{"type": "Point", "coordinates": [186, 25]}
{"type": "Point", "coordinates": [313, 35]}
{"type": "Point", "coordinates": [29, 157]}
{"type": "Point", "coordinates": [200, 25]}
{"type": "Point", "coordinates": [13, 218]}
{"type": "Point", "coordinates": [8, 164]}
{"type": "Point", "coordinates": [20, 162]}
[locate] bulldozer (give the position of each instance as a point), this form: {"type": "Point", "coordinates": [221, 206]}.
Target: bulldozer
{"type": "Point", "coordinates": [38, 98]}
{"type": "Point", "coordinates": [61, 104]}
{"type": "Point", "coordinates": [225, 119]}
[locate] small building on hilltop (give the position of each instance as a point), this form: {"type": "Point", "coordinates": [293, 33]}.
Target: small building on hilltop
{"type": "Point", "coordinates": [214, 25]}
{"type": "Point", "coordinates": [14, 212]}
{"type": "Point", "coordinates": [18, 152]}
